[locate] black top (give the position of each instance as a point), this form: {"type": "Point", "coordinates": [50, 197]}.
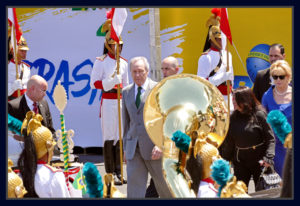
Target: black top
{"type": "Point", "coordinates": [246, 131]}
{"type": "Point", "coordinates": [262, 83]}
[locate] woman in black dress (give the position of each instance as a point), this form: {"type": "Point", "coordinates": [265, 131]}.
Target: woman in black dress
{"type": "Point", "coordinates": [250, 142]}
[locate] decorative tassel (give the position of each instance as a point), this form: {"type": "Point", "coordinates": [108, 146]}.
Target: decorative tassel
{"type": "Point", "coordinates": [279, 124]}
{"type": "Point", "coordinates": [221, 173]}
{"type": "Point", "coordinates": [93, 180]}
{"type": "Point", "coordinates": [14, 124]}
{"type": "Point", "coordinates": [182, 141]}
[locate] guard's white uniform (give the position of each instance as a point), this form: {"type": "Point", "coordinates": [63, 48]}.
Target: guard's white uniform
{"type": "Point", "coordinates": [207, 189]}
{"type": "Point", "coordinates": [11, 76]}
{"type": "Point", "coordinates": [103, 68]}
{"type": "Point", "coordinates": [207, 62]}
{"type": "Point", "coordinates": [50, 182]}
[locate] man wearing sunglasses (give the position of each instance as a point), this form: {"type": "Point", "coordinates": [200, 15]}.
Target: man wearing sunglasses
{"type": "Point", "coordinates": [262, 81]}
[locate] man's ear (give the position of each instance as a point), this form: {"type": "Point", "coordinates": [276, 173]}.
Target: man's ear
{"type": "Point", "coordinates": [177, 69]}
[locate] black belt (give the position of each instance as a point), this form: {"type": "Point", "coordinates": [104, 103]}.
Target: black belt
{"type": "Point", "coordinates": [112, 91]}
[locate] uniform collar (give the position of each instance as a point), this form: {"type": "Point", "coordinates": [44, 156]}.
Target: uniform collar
{"type": "Point", "coordinates": [111, 56]}
{"type": "Point", "coordinates": [208, 180]}
{"type": "Point", "coordinates": [214, 49]}
{"type": "Point", "coordinates": [13, 61]}
{"type": "Point", "coordinates": [41, 162]}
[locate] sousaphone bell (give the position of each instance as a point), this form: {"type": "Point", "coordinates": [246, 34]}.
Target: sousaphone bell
{"type": "Point", "coordinates": [192, 105]}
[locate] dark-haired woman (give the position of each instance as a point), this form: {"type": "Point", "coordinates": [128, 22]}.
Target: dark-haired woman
{"type": "Point", "coordinates": [250, 141]}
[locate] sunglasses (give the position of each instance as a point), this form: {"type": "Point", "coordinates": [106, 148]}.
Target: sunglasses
{"type": "Point", "coordinates": [275, 77]}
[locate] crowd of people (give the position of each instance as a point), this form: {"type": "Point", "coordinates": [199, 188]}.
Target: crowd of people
{"type": "Point", "coordinates": [249, 145]}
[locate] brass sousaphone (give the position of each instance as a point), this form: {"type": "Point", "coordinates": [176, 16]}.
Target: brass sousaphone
{"type": "Point", "coordinates": [192, 105]}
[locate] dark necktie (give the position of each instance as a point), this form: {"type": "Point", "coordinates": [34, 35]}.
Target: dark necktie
{"type": "Point", "coordinates": [35, 108]}
{"type": "Point", "coordinates": [138, 98]}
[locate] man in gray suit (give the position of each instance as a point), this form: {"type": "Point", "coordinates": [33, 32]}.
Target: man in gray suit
{"type": "Point", "coordinates": [141, 155]}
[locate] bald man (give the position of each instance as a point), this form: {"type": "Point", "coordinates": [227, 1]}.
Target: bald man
{"type": "Point", "coordinates": [169, 66]}
{"type": "Point", "coordinates": [33, 100]}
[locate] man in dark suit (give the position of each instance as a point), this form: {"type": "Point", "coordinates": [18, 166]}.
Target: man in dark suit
{"type": "Point", "coordinates": [141, 155]}
{"type": "Point", "coordinates": [33, 100]}
{"type": "Point", "coordinates": [262, 81]}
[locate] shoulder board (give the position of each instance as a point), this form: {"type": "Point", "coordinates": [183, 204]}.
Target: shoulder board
{"type": "Point", "coordinates": [123, 58]}
{"type": "Point", "coordinates": [26, 64]}
{"type": "Point", "coordinates": [101, 58]}
{"type": "Point", "coordinates": [53, 169]}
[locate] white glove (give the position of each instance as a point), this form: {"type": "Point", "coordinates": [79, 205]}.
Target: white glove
{"type": "Point", "coordinates": [17, 84]}
{"type": "Point", "coordinates": [110, 82]}
{"type": "Point", "coordinates": [118, 79]}
{"type": "Point", "coordinates": [219, 78]}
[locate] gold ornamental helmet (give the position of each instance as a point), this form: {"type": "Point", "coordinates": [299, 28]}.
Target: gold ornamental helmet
{"type": "Point", "coordinates": [109, 188]}
{"type": "Point", "coordinates": [235, 189]}
{"type": "Point", "coordinates": [215, 32]}
{"type": "Point", "coordinates": [15, 187]}
{"type": "Point", "coordinates": [208, 153]}
{"type": "Point", "coordinates": [192, 105]}
{"type": "Point", "coordinates": [42, 136]}
{"type": "Point", "coordinates": [22, 44]}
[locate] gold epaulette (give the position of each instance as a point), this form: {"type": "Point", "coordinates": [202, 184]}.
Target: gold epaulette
{"type": "Point", "coordinates": [53, 169]}
{"type": "Point", "coordinates": [101, 58]}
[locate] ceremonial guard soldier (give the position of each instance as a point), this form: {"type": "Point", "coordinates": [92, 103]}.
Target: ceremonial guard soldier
{"type": "Point", "coordinates": [23, 71]}
{"type": "Point", "coordinates": [104, 76]}
{"type": "Point", "coordinates": [212, 63]}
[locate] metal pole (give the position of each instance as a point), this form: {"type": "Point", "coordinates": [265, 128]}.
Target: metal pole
{"type": "Point", "coordinates": [228, 81]}
{"type": "Point", "coordinates": [15, 56]}
{"type": "Point", "coordinates": [119, 113]}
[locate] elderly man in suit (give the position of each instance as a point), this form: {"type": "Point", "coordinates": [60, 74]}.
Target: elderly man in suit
{"type": "Point", "coordinates": [262, 80]}
{"type": "Point", "coordinates": [141, 155]}
{"type": "Point", "coordinates": [33, 100]}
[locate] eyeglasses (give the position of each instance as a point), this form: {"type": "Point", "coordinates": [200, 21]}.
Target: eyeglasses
{"type": "Point", "coordinates": [275, 77]}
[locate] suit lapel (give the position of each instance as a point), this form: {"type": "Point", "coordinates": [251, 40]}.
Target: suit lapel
{"type": "Point", "coordinates": [42, 112]}
{"type": "Point", "coordinates": [146, 93]}
{"type": "Point", "coordinates": [24, 105]}
{"type": "Point", "coordinates": [131, 97]}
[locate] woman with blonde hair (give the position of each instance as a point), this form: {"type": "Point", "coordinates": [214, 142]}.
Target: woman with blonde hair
{"type": "Point", "coordinates": [279, 97]}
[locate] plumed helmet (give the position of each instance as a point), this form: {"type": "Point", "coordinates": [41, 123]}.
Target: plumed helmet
{"type": "Point", "coordinates": [42, 136]}
{"type": "Point", "coordinates": [215, 32]}
{"type": "Point", "coordinates": [22, 44]}
{"type": "Point", "coordinates": [15, 187]}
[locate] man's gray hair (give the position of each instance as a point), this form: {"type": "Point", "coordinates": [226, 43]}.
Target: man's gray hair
{"type": "Point", "coordinates": [144, 59]}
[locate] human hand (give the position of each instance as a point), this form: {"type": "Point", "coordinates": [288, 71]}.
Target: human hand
{"type": "Point", "coordinates": [18, 138]}
{"type": "Point", "coordinates": [264, 163]}
{"type": "Point", "coordinates": [17, 84]}
{"type": "Point", "coordinates": [117, 79]}
{"type": "Point", "coordinates": [156, 153]}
